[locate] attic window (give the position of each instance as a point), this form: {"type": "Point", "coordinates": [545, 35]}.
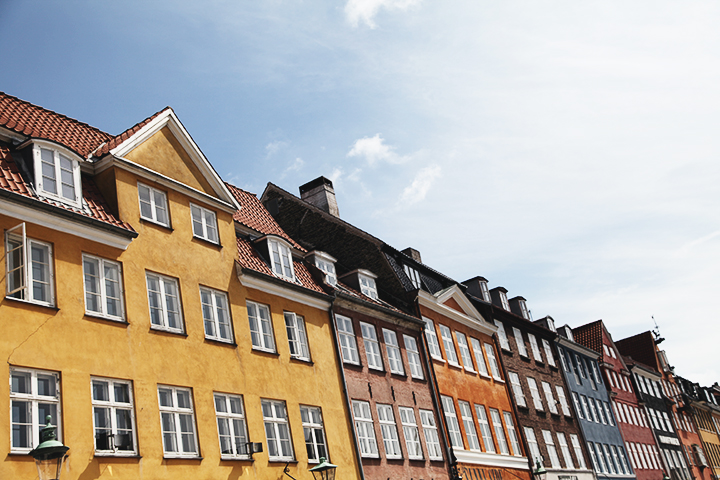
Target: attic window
{"type": "Point", "coordinates": [524, 310]}
{"type": "Point", "coordinates": [281, 260]}
{"type": "Point", "coordinates": [551, 324]}
{"type": "Point", "coordinates": [485, 292]}
{"type": "Point", "coordinates": [413, 275]}
{"type": "Point", "coordinates": [504, 301]}
{"type": "Point", "coordinates": [57, 175]}
{"type": "Point", "coordinates": [326, 263]}
{"type": "Point", "coordinates": [367, 286]}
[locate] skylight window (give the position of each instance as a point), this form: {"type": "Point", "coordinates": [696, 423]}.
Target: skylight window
{"type": "Point", "coordinates": [413, 275]}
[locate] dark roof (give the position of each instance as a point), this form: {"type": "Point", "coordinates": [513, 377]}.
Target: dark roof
{"type": "Point", "coordinates": [590, 335]}
{"type": "Point", "coordinates": [640, 347]}
{"type": "Point", "coordinates": [118, 139]}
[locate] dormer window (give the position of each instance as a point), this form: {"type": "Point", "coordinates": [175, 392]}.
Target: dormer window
{"type": "Point", "coordinates": [551, 324]}
{"type": "Point", "coordinates": [367, 285]}
{"type": "Point", "coordinates": [504, 301]}
{"type": "Point", "coordinates": [281, 259]}
{"type": "Point", "coordinates": [485, 292]}
{"type": "Point", "coordinates": [326, 263]}
{"type": "Point", "coordinates": [523, 309]}
{"type": "Point", "coordinates": [57, 174]}
{"type": "Point", "coordinates": [413, 275]}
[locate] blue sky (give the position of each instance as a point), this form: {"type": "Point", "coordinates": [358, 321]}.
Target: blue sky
{"type": "Point", "coordinates": [564, 150]}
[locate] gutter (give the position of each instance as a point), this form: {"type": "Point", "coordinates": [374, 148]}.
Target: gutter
{"type": "Point", "coordinates": [284, 283]}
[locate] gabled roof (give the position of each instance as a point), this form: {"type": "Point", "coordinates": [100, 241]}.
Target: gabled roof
{"type": "Point", "coordinates": [641, 348]}
{"type": "Point", "coordinates": [590, 335]}
{"type": "Point", "coordinates": [36, 122]}
{"type": "Point", "coordinates": [115, 141]}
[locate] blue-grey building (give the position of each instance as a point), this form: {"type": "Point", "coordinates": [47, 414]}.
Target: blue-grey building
{"type": "Point", "coordinates": [591, 402]}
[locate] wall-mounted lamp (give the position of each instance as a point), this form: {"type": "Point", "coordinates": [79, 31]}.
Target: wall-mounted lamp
{"type": "Point", "coordinates": [50, 454]}
{"type": "Point", "coordinates": [253, 447]}
{"type": "Point", "coordinates": [324, 471]}
{"type": "Point", "coordinates": [539, 473]}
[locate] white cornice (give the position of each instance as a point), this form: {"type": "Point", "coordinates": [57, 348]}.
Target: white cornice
{"type": "Point", "coordinates": [170, 120]}
{"type": "Point", "coordinates": [11, 135]}
{"type": "Point", "coordinates": [272, 288]}
{"type": "Point", "coordinates": [475, 322]}
{"type": "Point", "coordinates": [491, 460]}
{"type": "Point", "coordinates": [60, 224]}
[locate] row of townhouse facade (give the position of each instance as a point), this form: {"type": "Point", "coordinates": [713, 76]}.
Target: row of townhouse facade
{"type": "Point", "coordinates": [171, 324]}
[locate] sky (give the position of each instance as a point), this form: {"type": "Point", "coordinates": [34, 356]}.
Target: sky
{"type": "Point", "coordinates": [564, 150]}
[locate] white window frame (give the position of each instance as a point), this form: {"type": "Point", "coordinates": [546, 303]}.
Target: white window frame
{"type": "Point", "coordinates": [176, 413]}
{"type": "Point", "coordinates": [211, 313]}
{"type": "Point", "coordinates": [368, 287]}
{"type": "Point", "coordinates": [101, 264]}
{"type": "Point", "coordinates": [389, 431]}
{"type": "Point", "coordinates": [517, 389]}
{"type": "Point", "coordinates": [548, 353]}
{"type": "Point", "coordinates": [26, 290]}
{"type": "Point", "coordinates": [464, 351]}
{"type": "Point", "coordinates": [162, 303]}
{"type": "Point", "coordinates": [158, 203]}
{"type": "Point", "coordinates": [504, 301]}
{"type": "Point", "coordinates": [502, 336]}
{"type": "Point", "coordinates": [479, 357]}
{"type": "Point", "coordinates": [535, 455]}
{"type": "Point", "coordinates": [430, 432]}
{"type": "Point", "coordinates": [552, 406]}
{"type": "Point", "coordinates": [601, 411]}
{"type": "Point", "coordinates": [499, 431]}
{"type": "Point", "coordinates": [552, 451]}
{"type": "Point", "coordinates": [575, 442]}
{"type": "Point", "coordinates": [262, 336]}
{"type": "Point", "coordinates": [565, 450]}
{"type": "Point", "coordinates": [411, 433]}
{"type": "Point", "coordinates": [563, 400]}
{"type": "Point", "coordinates": [485, 291]}
{"type": "Point", "coordinates": [348, 342]}
{"type": "Point", "coordinates": [413, 275]}
{"type": "Point", "coordinates": [485, 430]}
{"type": "Point", "coordinates": [113, 405]}
{"type": "Point", "coordinates": [512, 433]}
{"type": "Point", "coordinates": [373, 355]}
{"type": "Point", "coordinates": [235, 424]}
{"type": "Point", "coordinates": [326, 263]}
{"type": "Point", "coordinates": [492, 360]}
{"type": "Point", "coordinates": [281, 260]}
{"type": "Point", "coordinates": [365, 429]}
{"type": "Point", "coordinates": [469, 424]}
{"type": "Point", "coordinates": [413, 354]}
{"type": "Point", "coordinates": [453, 425]}
{"type": "Point", "coordinates": [57, 172]}
{"type": "Point", "coordinates": [535, 393]}
{"type": "Point", "coordinates": [207, 221]}
{"type": "Point", "coordinates": [312, 429]}
{"type": "Point", "coordinates": [432, 340]}
{"type": "Point", "coordinates": [578, 407]}
{"type": "Point", "coordinates": [277, 424]}
{"type": "Point", "coordinates": [537, 354]}
{"type": "Point", "coordinates": [33, 399]}
{"type": "Point", "coordinates": [392, 348]}
{"type": "Point", "coordinates": [517, 334]}
{"type": "Point", "coordinates": [449, 345]}
{"type": "Point", "coordinates": [297, 336]}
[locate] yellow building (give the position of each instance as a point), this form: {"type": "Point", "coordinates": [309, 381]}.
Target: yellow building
{"type": "Point", "coordinates": [145, 312]}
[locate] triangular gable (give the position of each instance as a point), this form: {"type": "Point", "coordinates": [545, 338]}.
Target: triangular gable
{"type": "Point", "coordinates": [164, 146]}
{"type": "Point", "coordinates": [454, 298]}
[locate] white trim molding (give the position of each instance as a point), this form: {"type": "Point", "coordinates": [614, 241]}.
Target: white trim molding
{"type": "Point", "coordinates": [491, 459]}
{"type": "Point", "coordinates": [470, 318]}
{"type": "Point", "coordinates": [272, 288]}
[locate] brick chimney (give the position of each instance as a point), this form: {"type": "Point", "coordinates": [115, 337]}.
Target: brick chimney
{"type": "Point", "coordinates": [412, 253]}
{"type": "Point", "coordinates": [320, 193]}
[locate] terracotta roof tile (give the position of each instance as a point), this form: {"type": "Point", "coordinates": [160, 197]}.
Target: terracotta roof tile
{"type": "Point", "coordinates": [34, 121]}
{"type": "Point", "coordinates": [590, 335]}
{"type": "Point", "coordinates": [118, 139]}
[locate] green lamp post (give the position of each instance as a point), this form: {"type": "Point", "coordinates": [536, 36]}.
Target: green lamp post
{"type": "Point", "coordinates": [324, 471]}
{"type": "Point", "coordinates": [49, 455]}
{"type": "Point", "coordinates": [539, 473]}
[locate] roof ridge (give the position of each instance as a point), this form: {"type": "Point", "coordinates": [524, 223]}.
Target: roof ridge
{"type": "Point", "coordinates": [116, 140]}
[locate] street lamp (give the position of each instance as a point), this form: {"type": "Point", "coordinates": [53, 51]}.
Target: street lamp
{"type": "Point", "coordinates": [324, 471]}
{"type": "Point", "coordinates": [539, 473]}
{"type": "Point", "coordinates": [665, 476]}
{"type": "Point", "coordinates": [49, 455]}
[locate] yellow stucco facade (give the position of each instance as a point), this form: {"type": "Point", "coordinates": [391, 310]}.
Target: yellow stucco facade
{"type": "Point", "coordinates": [78, 346]}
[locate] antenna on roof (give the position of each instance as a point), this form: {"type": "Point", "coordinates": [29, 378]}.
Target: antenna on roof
{"type": "Point", "coordinates": [656, 331]}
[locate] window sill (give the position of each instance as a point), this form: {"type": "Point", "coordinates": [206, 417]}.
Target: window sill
{"type": "Point", "coordinates": [399, 374]}
{"type": "Point", "coordinates": [376, 369]}
{"type": "Point", "coordinates": [352, 364]}
{"type": "Point", "coordinates": [156, 224]}
{"type": "Point", "coordinates": [236, 459]}
{"type": "Point", "coordinates": [117, 455]}
{"type": "Point", "coordinates": [470, 370]}
{"type": "Point", "coordinates": [266, 352]}
{"type": "Point", "coordinates": [438, 359]}
{"type": "Point", "coordinates": [97, 316]}
{"type": "Point", "coordinates": [485, 376]}
{"type": "Point", "coordinates": [305, 361]}
{"type": "Point", "coordinates": [180, 457]}
{"type": "Point", "coordinates": [283, 460]}
{"type": "Point", "coordinates": [226, 343]}
{"type": "Point", "coordinates": [164, 330]}
{"type": "Point", "coordinates": [455, 365]}
{"type": "Point", "coordinates": [35, 304]}
{"type": "Point", "coordinates": [208, 242]}
{"type": "Point", "coordinates": [499, 380]}
{"type": "Point", "coordinates": [370, 456]}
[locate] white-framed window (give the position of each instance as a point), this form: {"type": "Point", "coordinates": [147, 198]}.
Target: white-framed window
{"type": "Point", "coordinates": [57, 175]}
{"type": "Point", "coordinates": [216, 315]}
{"type": "Point", "coordinates": [608, 459]}
{"type": "Point", "coordinates": [523, 309]}
{"type": "Point", "coordinates": [504, 301]}
{"type": "Point", "coordinates": [365, 429]}
{"type": "Point", "coordinates": [485, 292]}
{"type": "Point", "coordinates": [576, 400]}
{"type": "Point", "coordinates": [535, 394]}
{"type": "Point", "coordinates": [624, 460]}
{"type": "Point", "coordinates": [601, 413]}
{"type": "Point", "coordinates": [465, 352]}
{"type": "Point", "coordinates": [164, 302]}
{"type": "Point", "coordinates": [232, 428]}
{"type": "Point", "coordinates": [113, 416]}
{"type": "Point", "coordinates": [552, 406]}
{"type": "Point", "coordinates": [411, 433]}
{"type": "Point", "coordinates": [563, 400]}
{"type": "Point", "coordinates": [499, 431]}
{"type": "Point", "coordinates": [348, 343]}
{"type": "Point", "coordinates": [413, 354]}
{"type": "Point", "coordinates": [590, 404]}
{"type": "Point", "coordinates": [469, 424]}
{"type": "Point", "coordinates": [601, 458]}
{"type": "Point", "coordinates": [517, 389]}
{"type": "Point", "coordinates": [565, 450]}
{"type": "Point", "coordinates": [479, 357]}
{"type": "Point", "coordinates": [520, 342]}
{"type": "Point", "coordinates": [153, 205]}
{"type": "Point", "coordinates": [413, 275]}
{"type": "Point", "coordinates": [177, 420]}
{"type": "Point", "coordinates": [512, 433]}
{"type": "Point", "coordinates": [452, 422]}
{"type": "Point", "coordinates": [449, 345]}
{"type": "Point", "coordinates": [368, 286]}
{"type": "Point", "coordinates": [204, 223]}
{"type": "Point", "coordinates": [388, 428]}
{"type": "Point", "coordinates": [393, 352]}
{"type": "Point", "coordinates": [281, 261]}
{"type": "Point", "coordinates": [314, 432]}
{"type": "Point", "coordinates": [578, 450]}
{"type": "Point", "coordinates": [535, 455]}
{"type": "Point", "coordinates": [261, 331]}
{"type": "Point", "coordinates": [432, 339]}
{"type": "Point", "coordinates": [502, 336]}
{"type": "Point", "coordinates": [552, 451]}
{"type": "Point", "coordinates": [326, 263]}
{"type": "Point", "coordinates": [372, 346]}
{"type": "Point", "coordinates": [432, 440]}
{"type": "Point", "coordinates": [485, 431]}
{"type": "Point", "coordinates": [102, 282]}
{"type": "Point", "coordinates": [548, 352]}
{"type": "Point", "coordinates": [535, 347]}
{"type": "Point", "coordinates": [494, 367]}
{"type": "Point", "coordinates": [277, 430]}
{"type": "Point", "coordinates": [28, 268]}
{"type": "Point", "coordinates": [34, 394]}
{"type": "Point", "coordinates": [616, 459]}
{"type": "Point", "coordinates": [594, 457]}
{"type": "Point", "coordinates": [297, 336]}
{"type": "Point", "coordinates": [596, 372]}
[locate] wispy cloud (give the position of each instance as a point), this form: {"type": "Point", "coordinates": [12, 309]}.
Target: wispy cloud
{"type": "Point", "coordinates": [364, 11]}
{"type": "Point", "coordinates": [295, 166]}
{"type": "Point", "coordinates": [420, 185]}
{"type": "Point", "coordinates": [273, 147]}
{"type": "Point", "coordinates": [374, 149]}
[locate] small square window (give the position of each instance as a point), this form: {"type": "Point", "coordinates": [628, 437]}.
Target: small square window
{"type": "Point", "coordinates": [204, 223]}
{"type": "Point", "coordinates": [153, 205]}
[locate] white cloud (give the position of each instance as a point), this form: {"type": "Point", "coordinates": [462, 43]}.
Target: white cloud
{"type": "Point", "coordinates": [373, 149]}
{"type": "Point", "coordinates": [295, 166]}
{"type": "Point", "coordinates": [420, 185]}
{"type": "Point", "coordinates": [364, 11]}
{"type": "Point", "coordinates": [273, 147]}
{"type": "Point", "coordinates": [335, 176]}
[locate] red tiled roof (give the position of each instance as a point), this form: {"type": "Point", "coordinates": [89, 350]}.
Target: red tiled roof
{"type": "Point", "coordinates": [34, 121]}
{"type": "Point", "coordinates": [117, 140]}
{"type": "Point", "coordinates": [590, 335]}
{"type": "Point", "coordinates": [253, 214]}
{"type": "Point", "coordinates": [11, 180]}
